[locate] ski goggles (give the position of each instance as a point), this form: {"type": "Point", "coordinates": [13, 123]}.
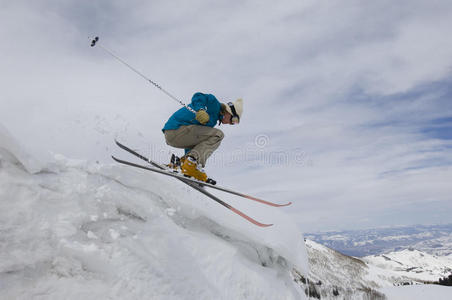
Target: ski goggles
{"type": "Point", "coordinates": [235, 117]}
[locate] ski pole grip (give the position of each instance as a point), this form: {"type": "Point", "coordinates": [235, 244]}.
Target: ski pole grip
{"type": "Point", "coordinates": [94, 41]}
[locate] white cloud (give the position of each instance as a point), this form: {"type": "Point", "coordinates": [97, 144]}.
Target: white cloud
{"type": "Point", "coordinates": [348, 85]}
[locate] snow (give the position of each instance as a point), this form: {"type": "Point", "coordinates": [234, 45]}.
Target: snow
{"type": "Point", "coordinates": [414, 264]}
{"type": "Point", "coordinates": [418, 292]}
{"type": "Point", "coordinates": [73, 229]}
{"type": "Point", "coordinates": [352, 278]}
{"type": "Point", "coordinates": [11, 150]}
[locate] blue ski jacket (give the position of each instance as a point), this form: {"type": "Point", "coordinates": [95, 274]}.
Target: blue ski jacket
{"type": "Point", "coordinates": [199, 101]}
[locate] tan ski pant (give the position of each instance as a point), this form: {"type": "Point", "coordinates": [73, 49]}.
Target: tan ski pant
{"type": "Point", "coordinates": [202, 140]}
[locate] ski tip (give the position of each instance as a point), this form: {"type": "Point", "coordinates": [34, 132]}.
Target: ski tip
{"type": "Point", "coordinates": [257, 223]}
{"type": "Point", "coordinates": [285, 204]}
{"type": "Point", "coordinates": [266, 202]}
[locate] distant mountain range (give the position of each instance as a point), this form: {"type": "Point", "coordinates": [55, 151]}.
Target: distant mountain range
{"type": "Point", "coordinates": [431, 239]}
{"type": "Point", "coordinates": [334, 275]}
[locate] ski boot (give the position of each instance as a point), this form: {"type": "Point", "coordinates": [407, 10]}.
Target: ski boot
{"type": "Point", "coordinates": [190, 168]}
{"type": "Point", "coordinates": [175, 163]}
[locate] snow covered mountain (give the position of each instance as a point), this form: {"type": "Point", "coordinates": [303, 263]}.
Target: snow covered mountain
{"type": "Point", "coordinates": [338, 276]}
{"type": "Point", "coordinates": [73, 229]}
{"type": "Point", "coordinates": [413, 264]}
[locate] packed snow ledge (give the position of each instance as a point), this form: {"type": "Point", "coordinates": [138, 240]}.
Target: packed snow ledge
{"type": "Point", "coordinates": [74, 229]}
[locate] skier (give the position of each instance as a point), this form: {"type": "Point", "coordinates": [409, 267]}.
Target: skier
{"type": "Point", "coordinates": [194, 132]}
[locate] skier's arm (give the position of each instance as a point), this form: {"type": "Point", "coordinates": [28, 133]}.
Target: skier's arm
{"type": "Point", "coordinates": [199, 101]}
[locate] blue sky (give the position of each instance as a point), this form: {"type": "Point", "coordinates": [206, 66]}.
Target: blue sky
{"type": "Point", "coordinates": [348, 109]}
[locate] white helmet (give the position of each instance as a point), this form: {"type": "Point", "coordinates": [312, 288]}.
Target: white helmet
{"type": "Point", "coordinates": [236, 110]}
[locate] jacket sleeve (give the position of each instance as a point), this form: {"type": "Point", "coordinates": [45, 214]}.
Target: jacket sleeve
{"type": "Point", "coordinates": [199, 101]}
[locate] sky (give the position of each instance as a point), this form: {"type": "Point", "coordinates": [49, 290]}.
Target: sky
{"type": "Point", "coordinates": [347, 104]}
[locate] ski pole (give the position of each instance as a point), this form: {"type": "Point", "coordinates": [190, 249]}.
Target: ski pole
{"type": "Point", "coordinates": [94, 43]}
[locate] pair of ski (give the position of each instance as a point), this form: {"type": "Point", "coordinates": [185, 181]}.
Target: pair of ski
{"type": "Point", "coordinates": [197, 185]}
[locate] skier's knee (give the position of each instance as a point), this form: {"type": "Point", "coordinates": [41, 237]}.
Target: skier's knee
{"type": "Point", "coordinates": [220, 134]}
